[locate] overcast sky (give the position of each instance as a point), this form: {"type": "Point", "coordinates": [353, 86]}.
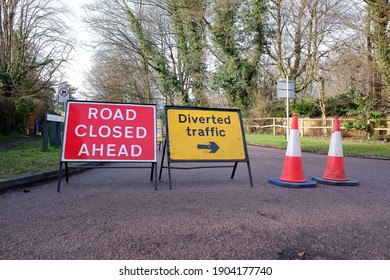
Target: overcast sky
{"type": "Point", "coordinates": [80, 63]}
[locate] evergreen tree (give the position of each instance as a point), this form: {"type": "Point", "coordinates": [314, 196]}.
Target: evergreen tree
{"type": "Point", "coordinates": [239, 39]}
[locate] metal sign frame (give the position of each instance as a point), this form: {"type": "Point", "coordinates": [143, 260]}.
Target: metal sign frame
{"type": "Point", "coordinates": [168, 146]}
{"type": "Point", "coordinates": [83, 131]}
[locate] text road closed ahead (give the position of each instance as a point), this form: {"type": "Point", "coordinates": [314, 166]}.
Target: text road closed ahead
{"type": "Point", "coordinates": [109, 132]}
{"type": "Point", "coordinates": [205, 135]}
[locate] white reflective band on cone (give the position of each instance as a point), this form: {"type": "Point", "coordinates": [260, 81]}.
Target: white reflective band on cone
{"type": "Point", "coordinates": [336, 148]}
{"type": "Point", "coordinates": [294, 144]}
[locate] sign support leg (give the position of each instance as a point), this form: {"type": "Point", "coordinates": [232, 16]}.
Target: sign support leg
{"type": "Point", "coordinates": [67, 172]}
{"type": "Point", "coordinates": [250, 174]}
{"type": "Point", "coordinates": [59, 177]}
{"type": "Point", "coordinates": [152, 172]}
{"type": "Point", "coordinates": [234, 170]}
{"type": "Point", "coordinates": [169, 175]}
{"type": "Point", "coordinates": [162, 159]}
{"type": "Point", "coordinates": [155, 176]}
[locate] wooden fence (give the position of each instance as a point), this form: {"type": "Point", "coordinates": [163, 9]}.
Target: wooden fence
{"type": "Point", "coordinates": [310, 127]}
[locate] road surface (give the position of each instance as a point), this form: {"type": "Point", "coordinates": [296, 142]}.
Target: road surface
{"type": "Point", "coordinates": [117, 214]}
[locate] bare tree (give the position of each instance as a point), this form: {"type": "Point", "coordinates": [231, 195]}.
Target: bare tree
{"type": "Point", "coordinates": [120, 79]}
{"type": "Point", "coordinates": [361, 66]}
{"type": "Point", "coordinates": [308, 34]}
{"type": "Point", "coordinates": [136, 30]}
{"type": "Point", "coordinates": [33, 47]}
{"type": "Point", "coordinates": [33, 44]}
{"type": "Point", "coordinates": [166, 37]}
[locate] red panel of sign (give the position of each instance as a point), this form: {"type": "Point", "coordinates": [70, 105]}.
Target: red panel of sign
{"type": "Point", "coordinates": [97, 131]}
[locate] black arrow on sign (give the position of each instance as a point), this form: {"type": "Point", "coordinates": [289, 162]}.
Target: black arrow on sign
{"type": "Point", "coordinates": [213, 147]}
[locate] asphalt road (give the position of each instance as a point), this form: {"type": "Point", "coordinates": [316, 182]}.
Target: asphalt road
{"type": "Point", "coordinates": [117, 214]}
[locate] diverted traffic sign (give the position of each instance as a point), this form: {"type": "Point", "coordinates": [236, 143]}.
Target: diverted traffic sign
{"type": "Point", "coordinates": [97, 131]}
{"type": "Point", "coordinates": [204, 135]}
{"type": "Point", "coordinates": [200, 134]}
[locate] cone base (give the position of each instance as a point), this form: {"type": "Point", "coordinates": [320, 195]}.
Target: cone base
{"type": "Point", "coordinates": [281, 183]}
{"type": "Point", "coordinates": [336, 183]}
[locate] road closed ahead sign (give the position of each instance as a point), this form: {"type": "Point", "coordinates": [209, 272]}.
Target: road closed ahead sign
{"type": "Point", "coordinates": [97, 131]}
{"type": "Point", "coordinates": [200, 134]}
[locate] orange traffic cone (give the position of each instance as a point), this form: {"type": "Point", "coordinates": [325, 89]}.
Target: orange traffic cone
{"type": "Point", "coordinates": [292, 173]}
{"type": "Point", "coordinates": [334, 171]}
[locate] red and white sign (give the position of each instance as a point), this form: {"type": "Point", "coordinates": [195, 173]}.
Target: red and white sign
{"type": "Point", "coordinates": [63, 94]}
{"type": "Point", "coordinates": [96, 131]}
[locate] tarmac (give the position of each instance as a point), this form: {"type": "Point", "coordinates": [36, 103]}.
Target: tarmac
{"type": "Point", "coordinates": [29, 180]}
{"type": "Point", "coordinates": [107, 214]}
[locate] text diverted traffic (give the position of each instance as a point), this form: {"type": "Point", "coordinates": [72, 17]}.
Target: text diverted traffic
{"type": "Point", "coordinates": [212, 130]}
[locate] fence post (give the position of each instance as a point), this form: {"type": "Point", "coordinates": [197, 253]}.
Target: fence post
{"type": "Point", "coordinates": [302, 129]}
{"type": "Point", "coordinates": [332, 119]}
{"type": "Point", "coordinates": [274, 125]}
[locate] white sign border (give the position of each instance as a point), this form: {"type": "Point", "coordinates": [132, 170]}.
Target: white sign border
{"type": "Point", "coordinates": [63, 159]}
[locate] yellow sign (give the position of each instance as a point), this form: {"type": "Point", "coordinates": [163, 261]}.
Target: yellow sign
{"type": "Point", "coordinates": [205, 134]}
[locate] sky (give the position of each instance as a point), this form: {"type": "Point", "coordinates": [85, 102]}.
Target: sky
{"type": "Point", "coordinates": [80, 63]}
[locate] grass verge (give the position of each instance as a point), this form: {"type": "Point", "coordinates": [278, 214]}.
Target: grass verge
{"type": "Point", "coordinates": [9, 137]}
{"type": "Point", "coordinates": [350, 147]}
{"type": "Point", "coordinates": [28, 158]}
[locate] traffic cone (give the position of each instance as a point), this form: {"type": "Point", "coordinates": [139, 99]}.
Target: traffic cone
{"type": "Point", "coordinates": [292, 173]}
{"type": "Point", "coordinates": [335, 164]}
{"type": "Point", "coordinates": [334, 171]}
